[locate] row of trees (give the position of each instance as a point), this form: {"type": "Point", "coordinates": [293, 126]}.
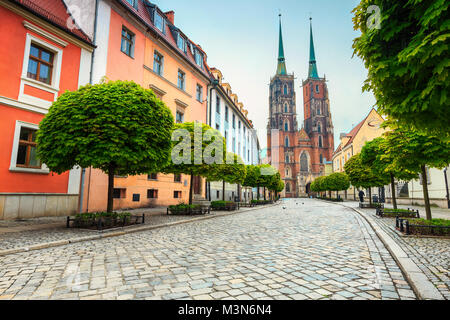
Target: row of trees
{"type": "Point", "coordinates": [400, 154]}
{"type": "Point", "coordinates": [123, 129]}
{"type": "Point", "coordinates": [334, 182]}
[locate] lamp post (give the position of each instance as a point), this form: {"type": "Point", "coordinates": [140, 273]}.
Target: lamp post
{"type": "Point", "coordinates": [446, 187]}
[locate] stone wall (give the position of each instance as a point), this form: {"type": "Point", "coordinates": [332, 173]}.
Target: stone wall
{"type": "Point", "coordinates": [34, 205]}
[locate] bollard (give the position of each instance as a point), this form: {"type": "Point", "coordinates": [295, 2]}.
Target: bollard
{"type": "Point", "coordinates": [68, 222]}
{"type": "Point", "coordinates": [407, 226]}
{"type": "Point", "coordinates": [401, 225]}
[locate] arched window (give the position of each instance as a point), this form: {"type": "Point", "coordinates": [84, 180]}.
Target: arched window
{"type": "Point", "coordinates": [320, 142]}
{"type": "Point", "coordinates": [318, 111]}
{"type": "Point", "coordinates": [286, 142]}
{"type": "Point", "coordinates": [285, 89]}
{"type": "Point", "coordinates": [287, 159]}
{"type": "Point", "coordinates": [286, 126]}
{"type": "Point", "coordinates": [288, 172]}
{"type": "Point", "coordinates": [321, 158]}
{"type": "Point", "coordinates": [304, 162]}
{"type": "Point", "coordinates": [319, 128]}
{"type": "Point", "coordinates": [286, 108]}
{"type": "Point", "coordinates": [288, 187]}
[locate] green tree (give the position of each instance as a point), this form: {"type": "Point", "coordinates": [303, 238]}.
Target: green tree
{"type": "Point", "coordinates": [415, 151]}
{"type": "Point", "coordinates": [362, 175]}
{"type": "Point", "coordinates": [232, 171]}
{"type": "Point", "coordinates": [117, 127]}
{"type": "Point", "coordinates": [377, 155]}
{"type": "Point", "coordinates": [266, 177]}
{"type": "Point", "coordinates": [197, 150]}
{"type": "Point", "coordinates": [251, 178]}
{"type": "Point", "coordinates": [337, 181]}
{"type": "Point", "coordinates": [404, 46]}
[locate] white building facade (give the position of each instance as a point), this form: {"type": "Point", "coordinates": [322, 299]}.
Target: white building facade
{"type": "Point", "coordinates": [227, 115]}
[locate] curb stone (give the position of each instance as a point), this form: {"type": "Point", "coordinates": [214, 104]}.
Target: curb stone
{"type": "Point", "coordinates": [130, 230]}
{"type": "Point", "coordinates": [423, 288]}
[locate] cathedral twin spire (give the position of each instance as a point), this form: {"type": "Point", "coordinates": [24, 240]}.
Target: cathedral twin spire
{"type": "Point", "coordinates": [281, 69]}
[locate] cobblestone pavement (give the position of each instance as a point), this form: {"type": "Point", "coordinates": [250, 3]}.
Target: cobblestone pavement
{"type": "Point", "coordinates": [13, 240]}
{"type": "Point", "coordinates": [432, 255]}
{"type": "Point", "coordinates": [311, 251]}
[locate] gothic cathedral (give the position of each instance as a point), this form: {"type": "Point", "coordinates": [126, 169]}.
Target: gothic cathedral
{"type": "Point", "coordinates": [299, 155]}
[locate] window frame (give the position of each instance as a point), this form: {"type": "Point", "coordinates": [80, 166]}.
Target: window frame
{"type": "Point", "coordinates": [163, 21]}
{"type": "Point", "coordinates": [177, 194]}
{"type": "Point", "coordinates": [161, 63]}
{"type": "Point", "coordinates": [184, 48]}
{"type": "Point", "coordinates": [40, 62]}
{"type": "Point", "coordinates": [43, 169]}
{"type": "Point", "coordinates": [178, 112]}
{"type": "Point", "coordinates": [183, 79]}
{"type": "Point", "coordinates": [152, 193]}
{"type": "Point", "coordinates": [131, 40]}
{"type": "Point", "coordinates": [150, 178]}
{"type": "Point", "coordinates": [199, 93]}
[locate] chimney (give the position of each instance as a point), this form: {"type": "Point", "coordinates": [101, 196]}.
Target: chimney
{"type": "Point", "coordinates": [171, 16]}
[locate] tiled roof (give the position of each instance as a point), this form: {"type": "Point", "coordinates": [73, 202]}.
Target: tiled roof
{"type": "Point", "coordinates": [144, 13]}
{"type": "Point", "coordinates": [354, 132]}
{"type": "Point", "coordinates": [55, 12]}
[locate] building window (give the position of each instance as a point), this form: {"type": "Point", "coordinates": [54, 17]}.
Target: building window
{"type": "Point", "coordinates": [177, 178]}
{"type": "Point", "coordinates": [320, 142]}
{"type": "Point", "coordinates": [285, 90]}
{"type": "Point", "coordinates": [239, 124]}
{"type": "Point", "coordinates": [152, 176]}
{"type": "Point", "coordinates": [158, 63]}
{"type": "Point", "coordinates": [152, 194]}
{"type": "Point", "coordinates": [134, 3]}
{"type": "Point", "coordinates": [226, 136]}
{"type": "Point", "coordinates": [179, 117]}
{"type": "Point", "coordinates": [285, 108]}
{"type": "Point", "coordinates": [198, 58]}
{"type": "Point", "coordinates": [286, 126]}
{"type": "Point", "coordinates": [181, 80]}
{"type": "Point", "coordinates": [321, 158]}
{"type": "Point", "coordinates": [159, 22]}
{"type": "Point", "coordinates": [317, 88]}
{"type": "Point", "coordinates": [218, 105]}
{"type": "Point", "coordinates": [226, 114]}
{"type": "Point", "coordinates": [287, 159]}
{"type": "Point", "coordinates": [304, 162]}
{"type": "Point", "coordinates": [318, 111]}
{"type": "Point", "coordinates": [288, 187]}
{"type": "Point", "coordinates": [234, 145]}
{"type": "Point", "coordinates": [177, 194]}
{"type": "Point", "coordinates": [199, 93]}
{"type": "Point", "coordinates": [239, 148]}
{"type": "Point", "coordinates": [181, 43]}
{"type": "Point", "coordinates": [217, 126]}
{"type": "Point", "coordinates": [286, 142]}
{"type": "Point", "coordinates": [27, 151]}
{"type": "Point", "coordinates": [40, 64]}
{"type": "Point", "coordinates": [234, 121]}
{"type": "Point", "coordinates": [119, 193]}
{"type": "Point", "coordinates": [319, 128]}
{"type": "Point", "coordinates": [127, 45]}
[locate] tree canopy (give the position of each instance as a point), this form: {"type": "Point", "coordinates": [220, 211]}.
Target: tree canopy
{"type": "Point", "coordinates": [404, 45]}
{"type": "Point", "coordinates": [117, 127]}
{"type": "Point", "coordinates": [361, 175]}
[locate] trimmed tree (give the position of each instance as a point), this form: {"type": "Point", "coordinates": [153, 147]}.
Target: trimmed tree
{"type": "Point", "coordinates": [377, 155]}
{"type": "Point", "coordinates": [197, 150]}
{"type": "Point", "coordinates": [117, 127]}
{"type": "Point", "coordinates": [266, 177]}
{"type": "Point", "coordinates": [337, 181]}
{"type": "Point", "coordinates": [251, 177]}
{"type": "Point", "coordinates": [362, 175]}
{"type": "Point", "coordinates": [404, 45]}
{"type": "Point", "coordinates": [415, 151]}
{"type": "Point", "coordinates": [233, 172]}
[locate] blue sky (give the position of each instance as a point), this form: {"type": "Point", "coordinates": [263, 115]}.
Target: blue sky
{"type": "Point", "coordinates": [241, 39]}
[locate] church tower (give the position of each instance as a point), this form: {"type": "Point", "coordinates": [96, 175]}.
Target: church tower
{"type": "Point", "coordinates": [299, 155]}
{"type": "Point", "coordinates": [317, 116]}
{"type": "Point", "coordinates": [283, 118]}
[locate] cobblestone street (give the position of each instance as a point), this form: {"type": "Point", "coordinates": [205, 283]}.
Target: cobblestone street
{"type": "Point", "coordinates": [310, 250]}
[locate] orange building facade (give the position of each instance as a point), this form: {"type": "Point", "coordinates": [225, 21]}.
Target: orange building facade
{"type": "Point", "coordinates": [40, 58]}
{"type": "Point", "coordinates": [137, 41]}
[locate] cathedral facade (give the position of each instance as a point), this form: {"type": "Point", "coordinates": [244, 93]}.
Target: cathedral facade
{"type": "Point", "coordinates": [299, 155]}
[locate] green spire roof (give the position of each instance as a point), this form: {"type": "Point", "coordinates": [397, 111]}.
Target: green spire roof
{"type": "Point", "coordinates": [312, 73]}
{"type": "Point", "coordinates": [281, 69]}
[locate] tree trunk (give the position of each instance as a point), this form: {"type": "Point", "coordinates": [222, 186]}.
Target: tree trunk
{"type": "Point", "coordinates": [394, 196]}
{"type": "Point", "coordinates": [110, 206]}
{"type": "Point", "coordinates": [425, 192]}
{"type": "Point", "coordinates": [191, 189]}
{"type": "Point", "coordinates": [223, 190]}
{"type": "Point", "coordinates": [337, 194]}
{"type": "Point", "coordinates": [370, 196]}
{"type": "Point", "coordinates": [329, 193]}
{"type": "Point", "coordinates": [264, 193]}
{"type": "Point", "coordinates": [257, 195]}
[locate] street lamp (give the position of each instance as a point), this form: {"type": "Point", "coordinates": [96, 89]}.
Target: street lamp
{"type": "Point", "coordinates": [446, 187]}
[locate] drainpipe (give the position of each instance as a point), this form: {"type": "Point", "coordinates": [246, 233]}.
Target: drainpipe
{"type": "Point", "coordinates": [83, 171]}
{"type": "Point", "coordinates": [446, 187]}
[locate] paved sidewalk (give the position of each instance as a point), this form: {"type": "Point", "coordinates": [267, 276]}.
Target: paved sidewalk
{"type": "Point", "coordinates": [23, 234]}
{"type": "Point", "coordinates": [431, 255]}
{"type": "Point", "coordinates": [437, 213]}
{"type": "Point", "coordinates": [309, 251]}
